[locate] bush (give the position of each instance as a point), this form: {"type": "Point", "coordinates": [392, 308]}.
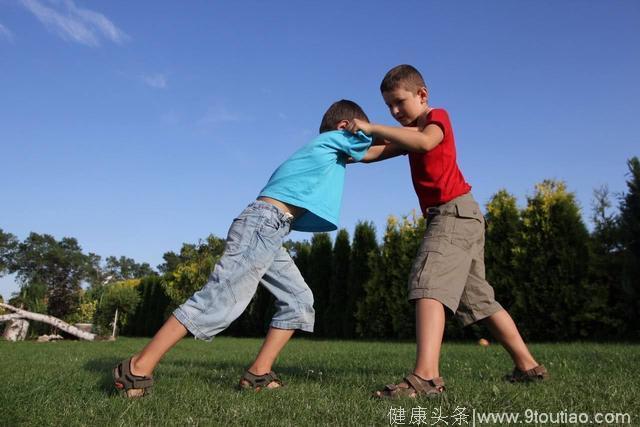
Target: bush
{"type": "Point", "coordinates": [122, 296]}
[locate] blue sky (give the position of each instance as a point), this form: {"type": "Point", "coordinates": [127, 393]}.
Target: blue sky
{"type": "Point", "coordinates": [137, 126]}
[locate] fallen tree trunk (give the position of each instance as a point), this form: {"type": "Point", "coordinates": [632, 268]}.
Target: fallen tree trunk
{"type": "Point", "coordinates": [54, 321]}
{"type": "Point", "coordinates": [16, 330]}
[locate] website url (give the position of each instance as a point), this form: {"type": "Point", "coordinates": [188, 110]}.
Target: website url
{"type": "Point", "coordinates": [532, 416]}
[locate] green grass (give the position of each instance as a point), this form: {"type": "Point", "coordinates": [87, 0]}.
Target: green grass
{"type": "Point", "coordinates": [328, 383]}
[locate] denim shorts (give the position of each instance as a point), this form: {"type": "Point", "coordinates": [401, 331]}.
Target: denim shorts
{"type": "Point", "coordinates": [253, 254]}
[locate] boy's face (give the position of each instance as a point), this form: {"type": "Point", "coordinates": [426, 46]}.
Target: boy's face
{"type": "Point", "coordinates": [406, 106]}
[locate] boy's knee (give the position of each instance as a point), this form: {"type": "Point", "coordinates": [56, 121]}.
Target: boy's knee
{"type": "Point", "coordinates": [297, 313]}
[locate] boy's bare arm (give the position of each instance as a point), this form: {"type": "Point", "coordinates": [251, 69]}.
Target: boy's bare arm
{"type": "Point", "coordinates": [377, 153]}
{"type": "Point", "coordinates": [410, 139]}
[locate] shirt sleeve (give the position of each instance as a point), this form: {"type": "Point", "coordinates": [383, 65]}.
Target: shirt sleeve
{"type": "Point", "coordinates": [353, 145]}
{"type": "Point", "coordinates": [440, 118]}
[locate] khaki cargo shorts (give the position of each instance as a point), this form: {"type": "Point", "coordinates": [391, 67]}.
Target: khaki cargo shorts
{"type": "Point", "coordinates": [449, 266]}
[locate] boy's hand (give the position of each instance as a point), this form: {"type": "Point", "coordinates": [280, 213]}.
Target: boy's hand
{"type": "Point", "coordinates": [356, 124]}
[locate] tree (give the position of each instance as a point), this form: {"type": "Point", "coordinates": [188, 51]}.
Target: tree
{"type": "Point", "coordinates": [122, 297]}
{"type": "Point", "coordinates": [365, 247]}
{"type": "Point", "coordinates": [337, 315]}
{"type": "Point", "coordinates": [300, 252]}
{"type": "Point", "coordinates": [59, 265]}
{"type": "Point", "coordinates": [8, 246]}
{"type": "Point", "coordinates": [552, 261]}
{"type": "Point", "coordinates": [397, 261]}
{"type": "Point", "coordinates": [124, 268]}
{"type": "Point", "coordinates": [319, 279]}
{"type": "Point", "coordinates": [605, 272]}
{"type": "Point", "coordinates": [194, 268]}
{"type": "Point", "coordinates": [503, 230]}
{"type": "Point", "coordinates": [385, 310]}
{"type": "Point", "coordinates": [151, 311]}
{"type": "Point", "coordinates": [630, 239]}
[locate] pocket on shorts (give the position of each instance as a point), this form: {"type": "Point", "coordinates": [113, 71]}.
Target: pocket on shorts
{"type": "Point", "coordinates": [469, 210]}
{"type": "Point", "coordinates": [469, 225]}
{"type": "Point", "coordinates": [239, 235]}
{"type": "Point", "coordinates": [438, 225]}
{"type": "Point", "coordinates": [428, 256]}
{"type": "Point", "coordinates": [270, 227]}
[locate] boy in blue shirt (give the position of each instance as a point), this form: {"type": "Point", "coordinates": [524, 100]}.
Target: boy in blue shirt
{"type": "Point", "coordinates": [304, 194]}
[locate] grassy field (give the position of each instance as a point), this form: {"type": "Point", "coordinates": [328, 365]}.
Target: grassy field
{"type": "Point", "coordinates": [328, 383]}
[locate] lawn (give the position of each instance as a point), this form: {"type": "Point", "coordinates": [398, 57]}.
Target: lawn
{"type": "Point", "coordinates": [328, 383]}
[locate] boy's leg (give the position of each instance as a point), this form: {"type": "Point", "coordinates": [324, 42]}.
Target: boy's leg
{"type": "Point", "coordinates": [429, 331]}
{"type": "Point", "coordinates": [228, 292]}
{"type": "Point", "coordinates": [274, 343]}
{"type": "Point", "coordinates": [294, 302]}
{"type": "Point", "coordinates": [504, 330]}
{"type": "Point", "coordinates": [169, 334]}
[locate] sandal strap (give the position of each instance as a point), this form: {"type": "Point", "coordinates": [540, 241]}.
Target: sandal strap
{"type": "Point", "coordinates": [538, 370]}
{"type": "Point", "coordinates": [261, 380]}
{"type": "Point", "coordinates": [129, 380]}
{"type": "Point", "coordinates": [422, 386]}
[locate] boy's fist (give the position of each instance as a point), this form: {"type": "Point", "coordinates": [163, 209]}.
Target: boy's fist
{"type": "Point", "coordinates": [356, 124]}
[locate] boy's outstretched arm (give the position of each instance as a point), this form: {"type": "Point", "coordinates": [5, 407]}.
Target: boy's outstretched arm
{"type": "Point", "coordinates": [377, 153]}
{"type": "Point", "coordinates": [409, 139]}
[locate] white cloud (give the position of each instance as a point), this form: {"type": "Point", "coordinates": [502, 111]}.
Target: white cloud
{"type": "Point", "coordinates": [158, 81]}
{"type": "Point", "coordinates": [5, 33]}
{"type": "Point", "coordinates": [75, 24]}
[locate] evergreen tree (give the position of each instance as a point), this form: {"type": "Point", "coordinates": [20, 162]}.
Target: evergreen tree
{"type": "Point", "coordinates": [319, 279]}
{"type": "Point", "coordinates": [398, 263]}
{"type": "Point", "coordinates": [552, 262]}
{"type": "Point", "coordinates": [385, 310]}
{"type": "Point", "coordinates": [337, 315]}
{"type": "Point", "coordinates": [503, 229]}
{"type": "Point", "coordinates": [630, 239]}
{"type": "Point", "coordinates": [601, 316]}
{"type": "Point", "coordinates": [364, 248]}
{"type": "Point", "coordinates": [300, 252]}
{"type": "Point", "coordinates": [151, 312]}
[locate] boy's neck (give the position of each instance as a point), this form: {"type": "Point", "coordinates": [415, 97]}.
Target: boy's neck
{"type": "Point", "coordinates": [419, 121]}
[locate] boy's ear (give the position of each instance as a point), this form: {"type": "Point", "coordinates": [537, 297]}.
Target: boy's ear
{"type": "Point", "coordinates": [342, 124]}
{"type": "Point", "coordinates": [423, 93]}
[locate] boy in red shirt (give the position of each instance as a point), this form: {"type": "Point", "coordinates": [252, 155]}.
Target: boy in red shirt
{"type": "Point", "coordinates": [449, 268]}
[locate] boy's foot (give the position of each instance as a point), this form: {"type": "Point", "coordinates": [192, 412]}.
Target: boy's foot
{"type": "Point", "coordinates": [538, 373]}
{"type": "Point", "coordinates": [132, 385]}
{"type": "Point", "coordinates": [412, 386]}
{"type": "Point", "coordinates": [250, 381]}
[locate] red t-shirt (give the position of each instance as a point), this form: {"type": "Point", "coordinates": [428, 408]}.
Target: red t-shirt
{"type": "Point", "coordinates": [435, 174]}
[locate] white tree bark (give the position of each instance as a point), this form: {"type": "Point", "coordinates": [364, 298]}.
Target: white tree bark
{"type": "Point", "coordinates": [115, 324]}
{"type": "Point", "coordinates": [54, 321]}
{"type": "Point", "coordinates": [16, 330]}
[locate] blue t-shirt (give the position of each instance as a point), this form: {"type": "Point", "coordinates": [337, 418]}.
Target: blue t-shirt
{"type": "Point", "coordinates": [313, 178]}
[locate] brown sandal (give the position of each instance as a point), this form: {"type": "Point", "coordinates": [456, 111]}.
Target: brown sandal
{"type": "Point", "coordinates": [255, 382]}
{"type": "Point", "coordinates": [538, 373]}
{"type": "Point", "coordinates": [125, 381]}
{"type": "Point", "coordinates": [412, 386]}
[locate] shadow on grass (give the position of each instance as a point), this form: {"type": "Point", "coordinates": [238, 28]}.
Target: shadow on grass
{"type": "Point", "coordinates": [103, 366]}
{"type": "Point", "coordinates": [180, 368]}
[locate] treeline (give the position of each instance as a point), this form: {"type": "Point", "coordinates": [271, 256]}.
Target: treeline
{"type": "Point", "coordinates": [558, 280]}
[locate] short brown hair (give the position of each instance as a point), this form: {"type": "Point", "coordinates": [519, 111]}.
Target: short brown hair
{"type": "Point", "coordinates": [341, 110]}
{"type": "Point", "coordinates": [402, 75]}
